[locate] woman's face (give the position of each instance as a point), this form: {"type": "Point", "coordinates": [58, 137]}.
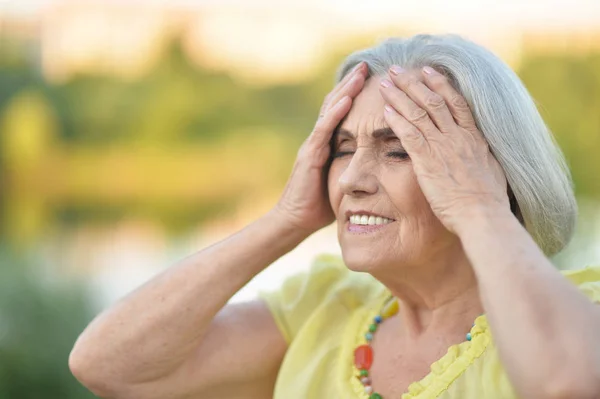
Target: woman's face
{"type": "Point", "coordinates": [372, 175]}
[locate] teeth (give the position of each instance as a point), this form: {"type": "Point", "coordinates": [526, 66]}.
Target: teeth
{"type": "Point", "coordinates": [368, 220]}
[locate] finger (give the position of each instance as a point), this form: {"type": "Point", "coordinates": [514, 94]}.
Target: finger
{"type": "Point", "coordinates": [334, 96]}
{"type": "Point", "coordinates": [410, 136]}
{"type": "Point", "coordinates": [323, 130]}
{"type": "Point", "coordinates": [358, 68]}
{"type": "Point", "coordinates": [412, 84]}
{"type": "Point", "coordinates": [405, 106]}
{"type": "Point", "coordinates": [459, 108]}
{"type": "Point", "coordinates": [352, 87]}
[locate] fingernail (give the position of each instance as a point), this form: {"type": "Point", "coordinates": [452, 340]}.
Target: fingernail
{"type": "Point", "coordinates": [388, 108]}
{"type": "Point", "coordinates": [395, 69]}
{"type": "Point", "coordinates": [357, 67]}
{"type": "Point", "coordinates": [429, 70]}
{"type": "Point", "coordinates": [385, 83]}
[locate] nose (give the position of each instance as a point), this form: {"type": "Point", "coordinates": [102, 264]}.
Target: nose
{"type": "Point", "coordinates": [358, 179]}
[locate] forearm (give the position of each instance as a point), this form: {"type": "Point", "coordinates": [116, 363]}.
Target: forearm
{"type": "Point", "coordinates": [545, 329]}
{"type": "Point", "coordinates": [154, 329]}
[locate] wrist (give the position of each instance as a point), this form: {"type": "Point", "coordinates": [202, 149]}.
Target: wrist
{"type": "Point", "coordinates": [483, 219]}
{"type": "Point", "coordinates": [285, 231]}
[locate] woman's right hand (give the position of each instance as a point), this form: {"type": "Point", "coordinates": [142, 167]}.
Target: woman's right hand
{"type": "Point", "coordinates": [304, 202]}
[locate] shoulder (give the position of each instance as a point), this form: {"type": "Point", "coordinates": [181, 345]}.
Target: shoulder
{"type": "Point", "coordinates": [346, 287]}
{"type": "Point", "coordinates": [328, 279]}
{"type": "Point", "coordinates": [327, 285]}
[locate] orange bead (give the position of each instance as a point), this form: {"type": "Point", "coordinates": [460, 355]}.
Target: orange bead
{"type": "Point", "coordinates": [363, 357]}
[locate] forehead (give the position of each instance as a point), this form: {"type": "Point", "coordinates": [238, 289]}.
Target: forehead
{"type": "Point", "coordinates": [366, 113]}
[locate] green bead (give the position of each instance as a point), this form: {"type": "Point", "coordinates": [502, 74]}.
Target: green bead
{"type": "Point", "coordinates": [375, 396]}
{"type": "Point", "coordinates": [364, 373]}
{"type": "Point", "coordinates": [373, 327]}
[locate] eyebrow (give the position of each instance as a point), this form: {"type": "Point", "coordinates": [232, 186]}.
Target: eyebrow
{"type": "Point", "coordinates": [384, 132]}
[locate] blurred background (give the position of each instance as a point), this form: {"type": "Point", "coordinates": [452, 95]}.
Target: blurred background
{"type": "Point", "coordinates": [135, 133]}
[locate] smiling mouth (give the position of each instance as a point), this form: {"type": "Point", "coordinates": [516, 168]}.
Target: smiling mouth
{"type": "Point", "coordinates": [369, 220]}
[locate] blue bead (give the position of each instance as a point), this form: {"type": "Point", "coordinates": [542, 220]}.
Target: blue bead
{"type": "Point", "coordinates": [378, 319]}
{"type": "Point", "coordinates": [369, 336]}
{"type": "Point", "coordinates": [468, 336]}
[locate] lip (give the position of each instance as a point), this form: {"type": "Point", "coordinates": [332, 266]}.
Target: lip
{"type": "Point", "coordinates": [365, 229]}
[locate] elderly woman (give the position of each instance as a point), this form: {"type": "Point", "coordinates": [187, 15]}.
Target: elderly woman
{"type": "Point", "coordinates": [449, 196]}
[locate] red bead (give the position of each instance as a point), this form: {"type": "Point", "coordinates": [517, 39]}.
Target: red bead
{"type": "Point", "coordinates": [363, 357]}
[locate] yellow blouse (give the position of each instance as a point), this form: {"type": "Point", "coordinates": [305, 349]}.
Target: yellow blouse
{"type": "Point", "coordinates": [323, 315]}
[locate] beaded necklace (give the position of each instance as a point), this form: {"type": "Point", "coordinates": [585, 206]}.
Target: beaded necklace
{"type": "Point", "coordinates": [363, 355]}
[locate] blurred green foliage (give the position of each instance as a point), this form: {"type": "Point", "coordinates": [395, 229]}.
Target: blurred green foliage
{"type": "Point", "coordinates": [40, 320]}
{"type": "Point", "coordinates": [567, 90]}
{"type": "Point", "coordinates": [177, 107]}
{"type": "Point", "coordinates": [180, 105]}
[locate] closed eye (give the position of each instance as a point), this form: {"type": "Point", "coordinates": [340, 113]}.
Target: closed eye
{"type": "Point", "coordinates": [398, 154]}
{"type": "Point", "coordinates": [341, 154]}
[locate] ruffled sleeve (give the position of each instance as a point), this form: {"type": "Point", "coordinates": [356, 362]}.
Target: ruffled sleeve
{"type": "Point", "coordinates": [301, 294]}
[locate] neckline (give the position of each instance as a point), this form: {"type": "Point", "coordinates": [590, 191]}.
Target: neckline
{"type": "Point", "coordinates": [442, 372]}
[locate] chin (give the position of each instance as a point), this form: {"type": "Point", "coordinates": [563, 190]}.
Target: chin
{"type": "Point", "coordinates": [358, 260]}
{"type": "Point", "coordinates": [367, 260]}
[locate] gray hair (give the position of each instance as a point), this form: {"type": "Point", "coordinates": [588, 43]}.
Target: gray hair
{"type": "Point", "coordinates": [540, 185]}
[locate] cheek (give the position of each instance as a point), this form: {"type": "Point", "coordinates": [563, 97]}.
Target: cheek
{"type": "Point", "coordinates": [333, 187]}
{"type": "Point", "coordinates": [413, 208]}
{"type": "Point", "coordinates": [405, 193]}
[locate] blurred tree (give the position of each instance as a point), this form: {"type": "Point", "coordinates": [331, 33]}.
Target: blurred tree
{"type": "Point", "coordinates": [179, 104]}
{"type": "Point", "coordinates": [16, 73]}
{"type": "Point", "coordinates": [39, 323]}
{"type": "Point", "coordinates": [567, 90]}
{"type": "Point", "coordinates": [176, 101]}
{"type": "Point", "coordinates": [28, 127]}
{"type": "Point", "coordinates": [16, 69]}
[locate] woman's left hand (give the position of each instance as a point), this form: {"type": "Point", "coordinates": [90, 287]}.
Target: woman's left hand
{"type": "Point", "coordinates": [455, 169]}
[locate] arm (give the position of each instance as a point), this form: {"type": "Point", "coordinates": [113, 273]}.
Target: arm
{"type": "Point", "coordinates": [174, 338]}
{"type": "Point", "coordinates": [163, 340]}
{"type": "Point", "coordinates": [547, 331]}
{"type": "Point", "coordinates": [538, 317]}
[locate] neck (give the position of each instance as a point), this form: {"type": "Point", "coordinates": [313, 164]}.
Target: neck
{"type": "Point", "coordinates": [438, 295]}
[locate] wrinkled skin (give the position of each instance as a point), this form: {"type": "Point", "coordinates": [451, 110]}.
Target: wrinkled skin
{"type": "Point", "coordinates": [447, 173]}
